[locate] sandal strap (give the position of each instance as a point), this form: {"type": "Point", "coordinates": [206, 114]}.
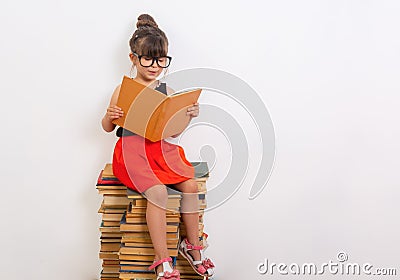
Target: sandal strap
{"type": "Point", "coordinates": [169, 259]}
{"type": "Point", "coordinates": [190, 246]}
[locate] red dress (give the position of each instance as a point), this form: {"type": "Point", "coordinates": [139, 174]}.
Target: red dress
{"type": "Point", "coordinates": [140, 164]}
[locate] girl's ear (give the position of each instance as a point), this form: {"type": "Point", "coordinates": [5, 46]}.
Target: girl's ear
{"type": "Point", "coordinates": [132, 57]}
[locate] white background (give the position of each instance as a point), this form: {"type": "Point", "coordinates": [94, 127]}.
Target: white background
{"type": "Point", "coordinates": [328, 72]}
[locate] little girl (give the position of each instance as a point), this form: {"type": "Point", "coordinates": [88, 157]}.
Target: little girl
{"type": "Point", "coordinates": [147, 167]}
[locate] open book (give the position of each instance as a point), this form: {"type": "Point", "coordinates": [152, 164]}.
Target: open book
{"type": "Point", "coordinates": [152, 114]}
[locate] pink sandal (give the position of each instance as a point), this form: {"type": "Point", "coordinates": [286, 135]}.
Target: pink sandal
{"type": "Point", "coordinates": [204, 267]}
{"type": "Point", "coordinates": [168, 273]}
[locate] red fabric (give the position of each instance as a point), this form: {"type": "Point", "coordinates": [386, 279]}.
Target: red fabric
{"type": "Point", "coordinates": [140, 164]}
{"type": "Point", "coordinates": [107, 182]}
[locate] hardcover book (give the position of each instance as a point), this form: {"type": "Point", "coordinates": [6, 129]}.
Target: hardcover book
{"type": "Point", "coordinates": [152, 114]}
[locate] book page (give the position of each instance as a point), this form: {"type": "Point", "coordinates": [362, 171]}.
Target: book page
{"type": "Point", "coordinates": [183, 91]}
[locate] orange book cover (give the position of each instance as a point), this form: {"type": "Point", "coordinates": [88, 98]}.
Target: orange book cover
{"type": "Point", "coordinates": [152, 114]}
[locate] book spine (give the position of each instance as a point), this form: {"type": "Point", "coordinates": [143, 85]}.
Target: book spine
{"type": "Point", "coordinates": [160, 123]}
{"type": "Point", "coordinates": [152, 125]}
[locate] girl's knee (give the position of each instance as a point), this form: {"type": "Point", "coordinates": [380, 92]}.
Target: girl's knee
{"type": "Point", "coordinates": [190, 186]}
{"type": "Point", "coordinates": [157, 194]}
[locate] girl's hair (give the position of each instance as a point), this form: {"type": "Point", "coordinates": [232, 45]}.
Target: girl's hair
{"type": "Point", "coordinates": [148, 39]}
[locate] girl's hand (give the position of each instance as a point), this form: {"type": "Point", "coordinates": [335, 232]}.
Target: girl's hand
{"type": "Point", "coordinates": [114, 112]}
{"type": "Point", "coordinates": [193, 111]}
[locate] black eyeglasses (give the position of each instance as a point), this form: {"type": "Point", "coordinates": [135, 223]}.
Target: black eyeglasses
{"type": "Point", "coordinates": [148, 61]}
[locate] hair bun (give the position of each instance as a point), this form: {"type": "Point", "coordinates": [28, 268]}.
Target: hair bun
{"type": "Point", "coordinates": [146, 20]}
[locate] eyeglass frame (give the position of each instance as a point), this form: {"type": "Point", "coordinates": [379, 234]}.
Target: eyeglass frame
{"type": "Point", "coordinates": [154, 58]}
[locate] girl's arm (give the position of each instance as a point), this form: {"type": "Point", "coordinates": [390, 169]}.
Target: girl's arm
{"type": "Point", "coordinates": [113, 112]}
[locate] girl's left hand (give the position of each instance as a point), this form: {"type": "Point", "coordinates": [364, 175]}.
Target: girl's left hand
{"type": "Point", "coordinates": [193, 111]}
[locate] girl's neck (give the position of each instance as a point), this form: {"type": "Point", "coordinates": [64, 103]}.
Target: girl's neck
{"type": "Point", "coordinates": [148, 83]}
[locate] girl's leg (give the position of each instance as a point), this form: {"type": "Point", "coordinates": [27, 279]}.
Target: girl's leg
{"type": "Point", "coordinates": [157, 197]}
{"type": "Point", "coordinates": [190, 213]}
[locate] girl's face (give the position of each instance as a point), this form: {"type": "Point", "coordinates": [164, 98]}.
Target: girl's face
{"type": "Point", "coordinates": [149, 73]}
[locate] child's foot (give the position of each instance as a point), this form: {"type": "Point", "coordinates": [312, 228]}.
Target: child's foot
{"type": "Point", "coordinates": [195, 256]}
{"type": "Point", "coordinates": [164, 271]}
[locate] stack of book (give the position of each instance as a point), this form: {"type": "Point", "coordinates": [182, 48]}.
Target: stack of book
{"type": "Point", "coordinates": [112, 208]}
{"type": "Point", "coordinates": [126, 246]}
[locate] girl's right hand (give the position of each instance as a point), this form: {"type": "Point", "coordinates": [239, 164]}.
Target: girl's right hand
{"type": "Point", "coordinates": [114, 112]}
